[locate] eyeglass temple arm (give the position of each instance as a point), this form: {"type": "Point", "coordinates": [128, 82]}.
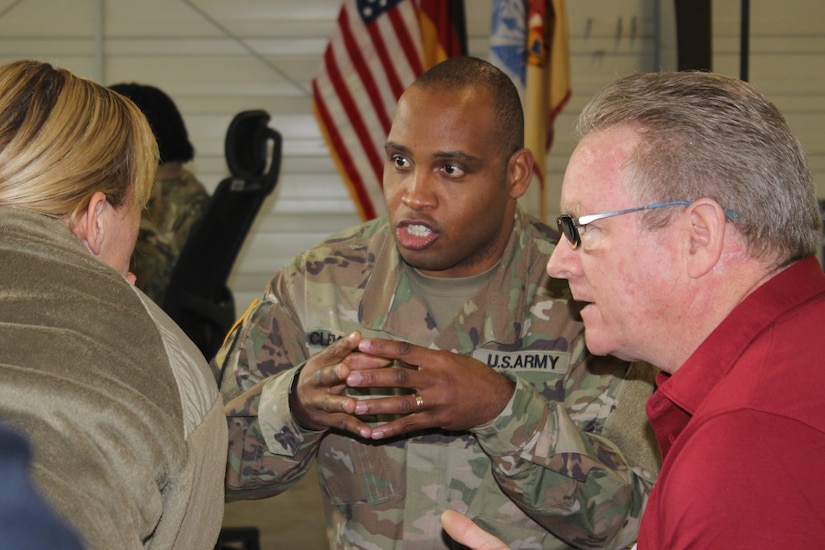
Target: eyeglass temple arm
{"type": "Point", "coordinates": [584, 220]}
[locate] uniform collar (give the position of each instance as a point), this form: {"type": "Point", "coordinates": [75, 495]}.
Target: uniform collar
{"type": "Point", "coordinates": [388, 291]}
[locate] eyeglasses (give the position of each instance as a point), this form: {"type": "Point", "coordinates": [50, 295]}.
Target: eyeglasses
{"type": "Point", "coordinates": [569, 226]}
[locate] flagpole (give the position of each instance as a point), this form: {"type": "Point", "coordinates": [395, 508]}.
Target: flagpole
{"type": "Point", "coordinates": [744, 48]}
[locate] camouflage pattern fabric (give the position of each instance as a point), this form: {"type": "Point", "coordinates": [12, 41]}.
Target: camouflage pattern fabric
{"type": "Point", "coordinates": [174, 206]}
{"type": "Point", "coordinates": [540, 475]}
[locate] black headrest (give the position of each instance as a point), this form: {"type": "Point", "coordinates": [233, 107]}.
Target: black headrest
{"type": "Point", "coordinates": [246, 144]}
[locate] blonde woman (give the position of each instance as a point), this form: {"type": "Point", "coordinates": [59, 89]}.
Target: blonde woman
{"type": "Point", "coordinates": [127, 430]}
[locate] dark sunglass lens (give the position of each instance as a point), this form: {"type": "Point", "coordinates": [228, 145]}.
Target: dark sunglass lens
{"type": "Point", "coordinates": [567, 227]}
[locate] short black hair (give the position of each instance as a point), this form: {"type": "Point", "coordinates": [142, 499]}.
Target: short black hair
{"type": "Point", "coordinates": [164, 118]}
{"type": "Point", "coordinates": [461, 72]}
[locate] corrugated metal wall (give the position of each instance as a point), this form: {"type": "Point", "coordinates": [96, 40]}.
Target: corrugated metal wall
{"type": "Point", "coordinates": [218, 57]}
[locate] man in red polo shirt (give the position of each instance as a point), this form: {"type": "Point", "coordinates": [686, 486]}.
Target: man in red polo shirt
{"type": "Point", "coordinates": [691, 225]}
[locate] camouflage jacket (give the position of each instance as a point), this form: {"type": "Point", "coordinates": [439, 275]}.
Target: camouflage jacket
{"type": "Point", "coordinates": [174, 207]}
{"type": "Point", "coordinates": [540, 475]}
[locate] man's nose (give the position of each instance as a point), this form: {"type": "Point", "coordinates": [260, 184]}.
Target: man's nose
{"type": "Point", "coordinates": [419, 192]}
{"type": "Point", "coordinates": [564, 262]}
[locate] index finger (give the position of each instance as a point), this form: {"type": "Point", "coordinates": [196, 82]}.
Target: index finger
{"type": "Point", "coordinates": [341, 348]}
{"type": "Point", "coordinates": [342, 351]}
{"type": "Point", "coordinates": [392, 349]}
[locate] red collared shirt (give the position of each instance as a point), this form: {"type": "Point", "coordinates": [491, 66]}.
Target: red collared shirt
{"type": "Point", "coordinates": [742, 427]}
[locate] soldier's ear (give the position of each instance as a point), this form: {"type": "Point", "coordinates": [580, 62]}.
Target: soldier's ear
{"type": "Point", "coordinates": [519, 172]}
{"type": "Point", "coordinates": [89, 227]}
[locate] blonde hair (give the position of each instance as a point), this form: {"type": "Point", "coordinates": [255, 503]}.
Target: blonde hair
{"type": "Point", "coordinates": [64, 138]}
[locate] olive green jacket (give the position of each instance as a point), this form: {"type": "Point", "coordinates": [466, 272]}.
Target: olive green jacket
{"type": "Point", "coordinates": [124, 417]}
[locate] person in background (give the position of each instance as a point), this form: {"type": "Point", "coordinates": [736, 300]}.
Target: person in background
{"type": "Point", "coordinates": [26, 521]}
{"type": "Point", "coordinates": [177, 200]}
{"type": "Point", "coordinates": [691, 225]}
{"type": "Point", "coordinates": [123, 414]}
{"type": "Point", "coordinates": [489, 402]}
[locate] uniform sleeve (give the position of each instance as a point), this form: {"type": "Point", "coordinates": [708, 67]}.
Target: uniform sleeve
{"type": "Point", "coordinates": [268, 341]}
{"type": "Point", "coordinates": [556, 464]}
{"type": "Point", "coordinates": [257, 365]}
{"type": "Point", "coordinates": [262, 465]}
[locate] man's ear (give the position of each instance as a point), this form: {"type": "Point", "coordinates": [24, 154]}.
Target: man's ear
{"type": "Point", "coordinates": [706, 231]}
{"type": "Point", "coordinates": [90, 226]}
{"type": "Point", "coordinates": [519, 172]}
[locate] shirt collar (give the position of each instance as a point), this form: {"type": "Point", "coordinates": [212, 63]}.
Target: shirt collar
{"type": "Point", "coordinates": [714, 358]}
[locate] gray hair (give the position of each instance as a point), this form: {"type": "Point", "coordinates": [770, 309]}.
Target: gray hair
{"type": "Point", "coordinates": [708, 135]}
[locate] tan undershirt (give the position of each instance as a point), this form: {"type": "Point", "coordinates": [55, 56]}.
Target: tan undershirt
{"type": "Point", "coordinates": [445, 296]}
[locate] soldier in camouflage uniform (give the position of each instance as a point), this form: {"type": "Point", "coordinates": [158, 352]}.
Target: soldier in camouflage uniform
{"type": "Point", "coordinates": [488, 403]}
{"type": "Point", "coordinates": [175, 204]}
{"type": "Point", "coordinates": [178, 198]}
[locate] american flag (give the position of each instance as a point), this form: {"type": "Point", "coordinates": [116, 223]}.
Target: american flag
{"type": "Point", "coordinates": [378, 49]}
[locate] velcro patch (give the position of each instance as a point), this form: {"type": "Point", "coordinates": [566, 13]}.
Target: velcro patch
{"type": "Point", "coordinates": [527, 360]}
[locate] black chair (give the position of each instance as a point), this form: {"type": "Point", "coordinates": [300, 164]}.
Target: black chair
{"type": "Point", "coordinates": [198, 298]}
{"type": "Point", "coordinates": [239, 538]}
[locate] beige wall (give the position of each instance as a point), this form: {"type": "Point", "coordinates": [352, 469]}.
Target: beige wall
{"type": "Point", "coordinates": [218, 57]}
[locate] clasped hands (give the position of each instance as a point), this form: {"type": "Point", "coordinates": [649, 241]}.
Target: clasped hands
{"type": "Point", "coordinates": [443, 389]}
